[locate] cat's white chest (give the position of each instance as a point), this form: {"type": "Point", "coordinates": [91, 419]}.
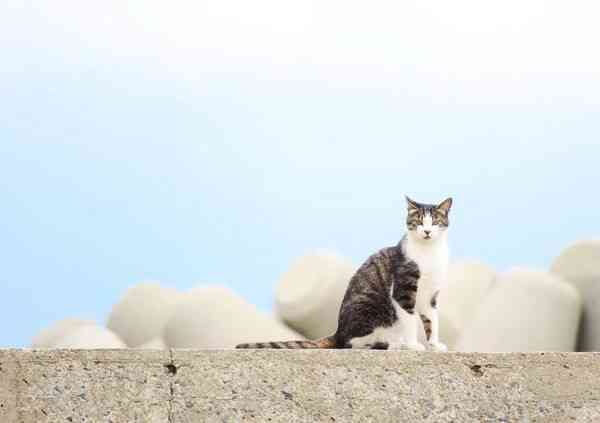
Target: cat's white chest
{"type": "Point", "coordinates": [433, 264]}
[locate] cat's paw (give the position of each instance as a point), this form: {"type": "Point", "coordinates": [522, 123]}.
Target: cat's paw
{"type": "Point", "coordinates": [413, 346]}
{"type": "Point", "coordinates": [436, 346]}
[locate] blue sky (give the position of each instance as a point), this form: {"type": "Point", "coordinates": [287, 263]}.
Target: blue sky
{"type": "Point", "coordinates": [193, 143]}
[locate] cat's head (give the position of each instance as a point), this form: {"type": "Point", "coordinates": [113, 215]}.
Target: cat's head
{"type": "Point", "coordinates": [427, 222]}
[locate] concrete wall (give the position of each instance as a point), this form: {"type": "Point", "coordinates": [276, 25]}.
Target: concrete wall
{"type": "Point", "coordinates": [296, 386]}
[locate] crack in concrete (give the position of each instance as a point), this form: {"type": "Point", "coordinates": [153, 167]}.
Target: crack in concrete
{"type": "Point", "coordinates": [172, 370]}
{"type": "Point", "coordinates": [18, 372]}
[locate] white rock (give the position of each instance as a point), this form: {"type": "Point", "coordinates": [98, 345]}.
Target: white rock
{"type": "Point", "coordinates": [90, 337]}
{"type": "Point", "coordinates": [216, 317]}
{"type": "Point", "coordinates": [526, 310]}
{"type": "Point", "coordinates": [468, 285]}
{"type": "Point", "coordinates": [48, 337]}
{"type": "Point", "coordinates": [310, 293]}
{"type": "Point", "coordinates": [142, 313]}
{"type": "Point", "coordinates": [579, 265]}
{"type": "Point", "coordinates": [154, 344]}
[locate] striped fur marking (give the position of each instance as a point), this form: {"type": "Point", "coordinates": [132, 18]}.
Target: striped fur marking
{"type": "Point", "coordinates": [426, 325]}
{"type": "Point", "coordinates": [380, 346]}
{"type": "Point", "coordinates": [327, 342]}
{"type": "Point", "coordinates": [433, 302]}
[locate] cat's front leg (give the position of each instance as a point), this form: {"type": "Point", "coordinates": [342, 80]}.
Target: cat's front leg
{"type": "Point", "coordinates": [406, 337]}
{"type": "Point", "coordinates": [430, 319]}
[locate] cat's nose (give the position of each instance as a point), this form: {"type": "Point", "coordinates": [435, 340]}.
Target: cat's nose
{"type": "Point", "coordinates": [427, 232]}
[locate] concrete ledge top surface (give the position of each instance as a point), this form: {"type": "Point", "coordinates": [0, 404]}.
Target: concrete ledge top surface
{"type": "Point", "coordinates": [296, 386]}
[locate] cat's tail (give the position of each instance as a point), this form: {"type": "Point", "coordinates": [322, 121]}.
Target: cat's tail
{"type": "Point", "coordinates": [327, 342]}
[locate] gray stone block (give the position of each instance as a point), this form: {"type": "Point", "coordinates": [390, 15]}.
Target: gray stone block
{"type": "Point", "coordinates": [296, 386]}
{"type": "Point", "coordinates": [8, 381]}
{"type": "Point", "coordinates": [88, 386]}
{"type": "Point", "coordinates": [384, 386]}
{"type": "Point", "coordinates": [579, 265]}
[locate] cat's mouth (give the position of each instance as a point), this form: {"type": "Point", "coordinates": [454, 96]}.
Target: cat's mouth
{"type": "Point", "coordinates": [427, 237]}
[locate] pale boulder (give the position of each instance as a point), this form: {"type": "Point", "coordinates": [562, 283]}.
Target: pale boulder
{"type": "Point", "coordinates": [468, 284]}
{"type": "Point", "coordinates": [579, 264]}
{"type": "Point", "coordinates": [90, 337]}
{"type": "Point", "coordinates": [216, 317]}
{"type": "Point", "coordinates": [140, 316]}
{"type": "Point", "coordinates": [309, 294]}
{"type": "Point", "coordinates": [48, 337]}
{"type": "Point", "coordinates": [525, 311]}
{"type": "Point", "coordinates": [154, 344]}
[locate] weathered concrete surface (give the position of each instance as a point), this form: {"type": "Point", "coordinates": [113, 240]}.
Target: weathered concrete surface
{"type": "Point", "coordinates": [84, 386]}
{"type": "Point", "coordinates": [297, 386]}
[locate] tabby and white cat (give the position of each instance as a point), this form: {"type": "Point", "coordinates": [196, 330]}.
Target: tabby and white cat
{"type": "Point", "coordinates": [394, 290]}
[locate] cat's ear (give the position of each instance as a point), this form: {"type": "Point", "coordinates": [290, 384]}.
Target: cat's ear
{"type": "Point", "coordinates": [411, 204]}
{"type": "Point", "coordinates": [445, 205]}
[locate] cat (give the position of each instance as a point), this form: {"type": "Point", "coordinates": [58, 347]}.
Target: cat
{"type": "Point", "coordinates": [394, 289]}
